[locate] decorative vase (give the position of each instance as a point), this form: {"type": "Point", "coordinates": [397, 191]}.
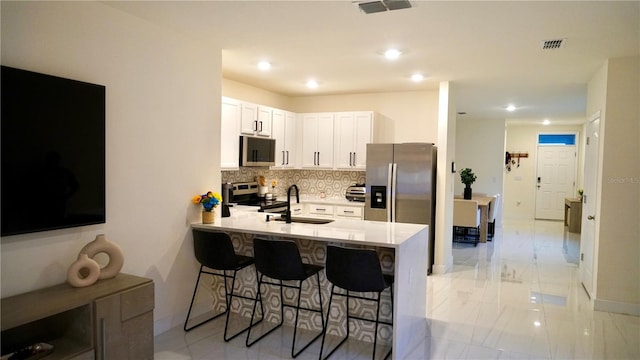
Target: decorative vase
{"type": "Point", "coordinates": [467, 192]}
{"type": "Point", "coordinates": [83, 272]}
{"type": "Point", "coordinates": [102, 245]}
{"type": "Point", "coordinates": [208, 217]}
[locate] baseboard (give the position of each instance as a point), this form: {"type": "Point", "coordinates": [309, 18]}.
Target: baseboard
{"type": "Point", "coordinates": [439, 269]}
{"type": "Point", "coordinates": [616, 307]}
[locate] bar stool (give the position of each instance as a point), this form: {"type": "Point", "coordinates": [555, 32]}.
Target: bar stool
{"type": "Point", "coordinates": [356, 270]}
{"type": "Point", "coordinates": [214, 250]}
{"type": "Point", "coordinates": [280, 260]}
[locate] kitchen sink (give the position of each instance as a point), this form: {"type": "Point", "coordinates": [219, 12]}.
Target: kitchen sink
{"type": "Point", "coordinates": [304, 220]}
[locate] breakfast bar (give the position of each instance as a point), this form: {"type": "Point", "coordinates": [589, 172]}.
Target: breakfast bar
{"type": "Point", "coordinates": [405, 246]}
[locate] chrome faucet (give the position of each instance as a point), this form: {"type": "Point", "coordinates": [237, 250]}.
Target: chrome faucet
{"type": "Point", "coordinates": [287, 215]}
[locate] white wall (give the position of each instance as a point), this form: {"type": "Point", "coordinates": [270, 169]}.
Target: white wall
{"type": "Point", "coordinates": [162, 126]}
{"type": "Point", "coordinates": [480, 146]}
{"type": "Point", "coordinates": [618, 219]}
{"type": "Point", "coordinates": [240, 91]}
{"type": "Point", "coordinates": [413, 115]}
{"type": "Point", "coordinates": [520, 184]}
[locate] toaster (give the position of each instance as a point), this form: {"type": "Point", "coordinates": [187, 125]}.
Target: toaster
{"type": "Point", "coordinates": [356, 192]}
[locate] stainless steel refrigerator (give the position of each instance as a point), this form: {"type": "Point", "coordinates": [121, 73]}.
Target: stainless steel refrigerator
{"type": "Point", "coordinates": [401, 185]}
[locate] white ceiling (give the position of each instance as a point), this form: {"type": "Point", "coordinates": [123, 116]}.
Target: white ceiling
{"type": "Point", "coordinates": [491, 51]}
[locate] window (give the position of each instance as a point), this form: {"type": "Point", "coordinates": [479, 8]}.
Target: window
{"type": "Point", "coordinates": [556, 139]}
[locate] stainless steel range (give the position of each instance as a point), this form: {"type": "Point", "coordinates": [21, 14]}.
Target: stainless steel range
{"type": "Point", "coordinates": [246, 193]}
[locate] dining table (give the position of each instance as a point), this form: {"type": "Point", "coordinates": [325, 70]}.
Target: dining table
{"type": "Point", "coordinates": [483, 203]}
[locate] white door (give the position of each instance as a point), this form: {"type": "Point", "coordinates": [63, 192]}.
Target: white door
{"type": "Point", "coordinates": [555, 180]}
{"type": "Point", "coordinates": [588, 231]}
{"type": "Point", "coordinates": [345, 133]}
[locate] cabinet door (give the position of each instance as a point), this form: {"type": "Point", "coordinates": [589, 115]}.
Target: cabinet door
{"type": "Point", "coordinates": [363, 135]}
{"type": "Point", "coordinates": [124, 323]}
{"type": "Point", "coordinates": [278, 133]}
{"type": "Point", "coordinates": [291, 140]}
{"type": "Point", "coordinates": [229, 134]}
{"type": "Point", "coordinates": [263, 127]}
{"type": "Point", "coordinates": [325, 141]}
{"type": "Point", "coordinates": [309, 140]}
{"type": "Point", "coordinates": [249, 119]}
{"type": "Point", "coordinates": [345, 135]}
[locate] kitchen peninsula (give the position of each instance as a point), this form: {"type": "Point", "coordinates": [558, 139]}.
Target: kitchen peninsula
{"type": "Point", "coordinates": [405, 244]}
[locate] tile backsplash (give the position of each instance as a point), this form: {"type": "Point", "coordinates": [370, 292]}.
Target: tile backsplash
{"type": "Point", "coordinates": [334, 183]}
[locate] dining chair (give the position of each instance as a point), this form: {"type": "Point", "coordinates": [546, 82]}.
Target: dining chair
{"type": "Point", "coordinates": [466, 221]}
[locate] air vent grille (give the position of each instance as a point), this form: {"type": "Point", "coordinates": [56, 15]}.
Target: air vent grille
{"type": "Point", "coordinates": [552, 44]}
{"type": "Point", "coordinates": [370, 7]}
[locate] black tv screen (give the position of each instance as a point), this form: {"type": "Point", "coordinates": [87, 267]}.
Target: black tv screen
{"type": "Point", "coordinates": [53, 152]}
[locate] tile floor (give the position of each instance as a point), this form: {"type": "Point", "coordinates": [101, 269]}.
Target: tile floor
{"type": "Point", "coordinates": [517, 297]}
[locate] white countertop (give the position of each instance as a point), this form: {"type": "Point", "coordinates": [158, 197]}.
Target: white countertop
{"type": "Point", "coordinates": [361, 232]}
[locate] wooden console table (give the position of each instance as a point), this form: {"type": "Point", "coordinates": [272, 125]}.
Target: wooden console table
{"type": "Point", "coordinates": [111, 319]}
{"type": "Point", "coordinates": [573, 214]}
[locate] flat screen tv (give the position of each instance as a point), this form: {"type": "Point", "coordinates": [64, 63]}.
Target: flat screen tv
{"type": "Point", "coordinates": [53, 152]}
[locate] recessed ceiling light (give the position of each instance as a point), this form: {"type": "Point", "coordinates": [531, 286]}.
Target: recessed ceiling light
{"type": "Point", "coordinates": [417, 77]}
{"type": "Point", "coordinates": [312, 84]}
{"type": "Point", "coordinates": [264, 65]}
{"type": "Point", "coordinates": [511, 107]}
{"type": "Point", "coordinates": [392, 54]}
{"type": "Point", "coordinates": [546, 122]}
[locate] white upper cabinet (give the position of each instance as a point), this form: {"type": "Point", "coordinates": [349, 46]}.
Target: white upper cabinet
{"type": "Point", "coordinates": [255, 120]}
{"type": "Point", "coordinates": [230, 134]}
{"type": "Point", "coordinates": [317, 140]}
{"type": "Point", "coordinates": [353, 131]}
{"type": "Point", "coordinates": [284, 127]}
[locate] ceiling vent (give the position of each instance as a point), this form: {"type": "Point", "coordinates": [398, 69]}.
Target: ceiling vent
{"type": "Point", "coordinates": [370, 7]}
{"type": "Point", "coordinates": [552, 44]}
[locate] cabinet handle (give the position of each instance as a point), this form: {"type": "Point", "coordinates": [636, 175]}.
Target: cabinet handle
{"type": "Point", "coordinates": [260, 126]}
{"type": "Point", "coordinates": [321, 209]}
{"type": "Point", "coordinates": [103, 336]}
{"type": "Point", "coordinates": [318, 158]}
{"type": "Point", "coordinates": [350, 158]}
{"type": "Point", "coordinates": [287, 157]}
{"type": "Point", "coordinates": [255, 128]}
{"type": "Point", "coordinates": [315, 157]}
{"type": "Point", "coordinates": [282, 157]}
{"type": "Point", "coordinates": [348, 211]}
{"type": "Point", "coordinates": [354, 158]}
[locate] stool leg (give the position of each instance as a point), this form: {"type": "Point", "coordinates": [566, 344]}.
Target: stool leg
{"type": "Point", "coordinates": [259, 295]}
{"type": "Point", "coordinates": [390, 350]}
{"type": "Point", "coordinates": [193, 298]}
{"type": "Point", "coordinates": [231, 296]}
{"type": "Point", "coordinates": [375, 332]}
{"type": "Point", "coordinates": [295, 329]}
{"type": "Point", "coordinates": [327, 326]}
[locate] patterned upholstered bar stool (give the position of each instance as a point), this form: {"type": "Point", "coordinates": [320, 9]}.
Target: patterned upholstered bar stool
{"type": "Point", "coordinates": [214, 250]}
{"type": "Point", "coordinates": [280, 260]}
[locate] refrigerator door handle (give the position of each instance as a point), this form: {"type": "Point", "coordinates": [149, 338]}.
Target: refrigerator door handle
{"type": "Point", "coordinates": [389, 183]}
{"type": "Point", "coordinates": [394, 193]}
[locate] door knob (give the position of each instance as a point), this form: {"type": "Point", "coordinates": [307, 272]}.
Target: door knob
{"type": "Point", "coordinates": [591, 217]}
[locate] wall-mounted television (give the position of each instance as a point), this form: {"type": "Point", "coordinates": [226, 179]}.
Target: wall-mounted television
{"type": "Point", "coordinates": [53, 152]}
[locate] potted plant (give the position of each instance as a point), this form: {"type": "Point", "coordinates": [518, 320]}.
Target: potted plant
{"type": "Point", "coordinates": [467, 177]}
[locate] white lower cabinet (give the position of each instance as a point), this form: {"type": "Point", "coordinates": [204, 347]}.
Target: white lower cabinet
{"type": "Point", "coordinates": [322, 210]}
{"type": "Point", "coordinates": [297, 209]}
{"type": "Point", "coordinates": [334, 211]}
{"type": "Point", "coordinates": [353, 212]}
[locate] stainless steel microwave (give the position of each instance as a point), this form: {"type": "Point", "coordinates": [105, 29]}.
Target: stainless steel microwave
{"type": "Point", "coordinates": [257, 151]}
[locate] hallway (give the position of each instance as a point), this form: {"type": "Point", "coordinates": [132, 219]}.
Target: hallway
{"type": "Point", "coordinates": [517, 297]}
